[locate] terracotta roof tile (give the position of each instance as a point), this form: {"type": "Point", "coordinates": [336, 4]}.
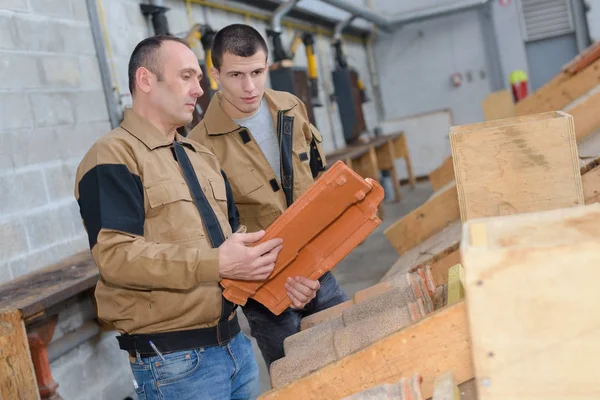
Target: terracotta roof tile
{"type": "Point", "coordinates": [308, 338]}
{"type": "Point", "coordinates": [359, 335]}
{"type": "Point", "coordinates": [322, 226]}
{"type": "Point", "coordinates": [322, 316]}
{"type": "Point", "coordinates": [288, 369]}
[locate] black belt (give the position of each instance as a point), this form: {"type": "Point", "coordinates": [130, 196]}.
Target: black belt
{"type": "Point", "coordinates": [170, 342]}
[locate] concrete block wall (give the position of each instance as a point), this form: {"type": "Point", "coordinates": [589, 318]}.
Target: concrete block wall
{"type": "Point", "coordinates": [52, 108]}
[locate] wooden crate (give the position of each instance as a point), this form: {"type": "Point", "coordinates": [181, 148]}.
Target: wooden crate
{"type": "Point", "coordinates": [532, 303]}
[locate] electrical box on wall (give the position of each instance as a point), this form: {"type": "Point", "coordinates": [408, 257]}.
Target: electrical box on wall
{"type": "Point", "coordinates": [347, 93]}
{"type": "Point", "coordinates": [294, 80]}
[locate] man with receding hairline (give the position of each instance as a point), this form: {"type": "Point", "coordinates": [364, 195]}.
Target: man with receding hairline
{"type": "Point", "coordinates": [271, 153]}
{"type": "Point", "coordinates": [163, 231]}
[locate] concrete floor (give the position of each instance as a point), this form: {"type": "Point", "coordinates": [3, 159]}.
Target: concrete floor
{"type": "Point", "coordinates": [367, 264]}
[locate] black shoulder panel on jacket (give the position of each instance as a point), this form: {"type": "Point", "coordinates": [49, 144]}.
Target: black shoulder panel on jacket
{"type": "Point", "coordinates": [111, 197]}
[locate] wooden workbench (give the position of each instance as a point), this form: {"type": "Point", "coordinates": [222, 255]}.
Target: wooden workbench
{"type": "Point", "coordinates": [378, 154]}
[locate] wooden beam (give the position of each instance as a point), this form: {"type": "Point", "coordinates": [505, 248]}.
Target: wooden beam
{"type": "Point", "coordinates": [17, 376]}
{"type": "Point", "coordinates": [498, 105]}
{"type": "Point", "coordinates": [433, 345]}
{"type": "Point", "coordinates": [516, 165]}
{"type": "Point", "coordinates": [442, 175]}
{"type": "Point", "coordinates": [441, 268]}
{"type": "Point", "coordinates": [401, 151]}
{"type": "Point", "coordinates": [586, 116]}
{"type": "Point", "coordinates": [561, 91]}
{"type": "Point", "coordinates": [535, 276]}
{"type": "Point", "coordinates": [425, 221]}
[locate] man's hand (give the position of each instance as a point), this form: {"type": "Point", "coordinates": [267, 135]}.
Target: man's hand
{"type": "Point", "coordinates": [238, 261]}
{"type": "Point", "coordinates": [301, 290]}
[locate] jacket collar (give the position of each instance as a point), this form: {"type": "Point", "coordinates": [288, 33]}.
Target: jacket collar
{"type": "Point", "coordinates": [219, 123]}
{"type": "Point", "coordinates": [148, 134]}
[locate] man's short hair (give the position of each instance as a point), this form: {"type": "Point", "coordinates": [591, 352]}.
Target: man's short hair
{"type": "Point", "coordinates": [145, 55]}
{"type": "Point", "coordinates": [238, 39]}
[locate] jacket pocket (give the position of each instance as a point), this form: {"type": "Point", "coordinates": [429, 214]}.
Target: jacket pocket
{"type": "Point", "coordinates": [167, 192]}
{"type": "Point", "coordinates": [172, 214]}
{"type": "Point", "coordinates": [244, 183]}
{"type": "Point", "coordinates": [218, 190]}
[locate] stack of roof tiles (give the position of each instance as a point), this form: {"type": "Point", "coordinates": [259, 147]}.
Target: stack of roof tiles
{"type": "Point", "coordinates": [371, 315]}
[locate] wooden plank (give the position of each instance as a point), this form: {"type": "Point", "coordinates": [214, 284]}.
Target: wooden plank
{"type": "Point", "coordinates": [400, 147]}
{"type": "Point", "coordinates": [530, 104]}
{"type": "Point", "coordinates": [17, 375]}
{"type": "Point", "coordinates": [558, 95]}
{"type": "Point", "coordinates": [442, 175]}
{"type": "Point", "coordinates": [429, 251]}
{"type": "Point", "coordinates": [516, 165]}
{"type": "Point", "coordinates": [36, 292]}
{"type": "Point", "coordinates": [498, 105]}
{"type": "Point", "coordinates": [535, 276]}
{"type": "Point", "coordinates": [441, 267]}
{"type": "Point", "coordinates": [583, 59]}
{"type": "Point", "coordinates": [366, 164]}
{"type": "Point", "coordinates": [435, 344]}
{"type": "Point", "coordinates": [424, 221]}
{"type": "Point", "coordinates": [385, 155]}
{"type": "Point", "coordinates": [586, 116]}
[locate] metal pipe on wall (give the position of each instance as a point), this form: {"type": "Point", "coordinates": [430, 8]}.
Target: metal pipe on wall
{"type": "Point", "coordinates": [340, 26]}
{"type": "Point", "coordinates": [105, 75]}
{"type": "Point", "coordinates": [389, 23]}
{"type": "Point", "coordinates": [280, 12]}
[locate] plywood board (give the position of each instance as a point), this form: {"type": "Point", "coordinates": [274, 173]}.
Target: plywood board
{"type": "Point", "coordinates": [424, 221]}
{"type": "Point", "coordinates": [17, 375]}
{"type": "Point", "coordinates": [535, 277]}
{"type": "Point", "coordinates": [498, 105]}
{"type": "Point", "coordinates": [433, 345]}
{"type": "Point", "coordinates": [586, 115]}
{"type": "Point", "coordinates": [516, 165]}
{"type": "Point", "coordinates": [442, 175]}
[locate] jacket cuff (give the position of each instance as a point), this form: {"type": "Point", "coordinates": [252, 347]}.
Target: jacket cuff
{"type": "Point", "coordinates": [208, 266]}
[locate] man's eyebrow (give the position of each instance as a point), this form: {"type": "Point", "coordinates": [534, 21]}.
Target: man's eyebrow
{"type": "Point", "coordinates": [193, 71]}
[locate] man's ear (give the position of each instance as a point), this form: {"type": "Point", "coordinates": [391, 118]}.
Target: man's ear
{"type": "Point", "coordinates": [215, 75]}
{"type": "Point", "coordinates": [143, 79]}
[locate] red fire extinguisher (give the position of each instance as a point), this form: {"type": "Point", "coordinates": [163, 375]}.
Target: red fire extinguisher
{"type": "Point", "coordinates": [518, 84]}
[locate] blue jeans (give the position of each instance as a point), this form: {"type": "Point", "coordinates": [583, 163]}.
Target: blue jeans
{"type": "Point", "coordinates": [270, 330]}
{"type": "Point", "coordinates": [216, 372]}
